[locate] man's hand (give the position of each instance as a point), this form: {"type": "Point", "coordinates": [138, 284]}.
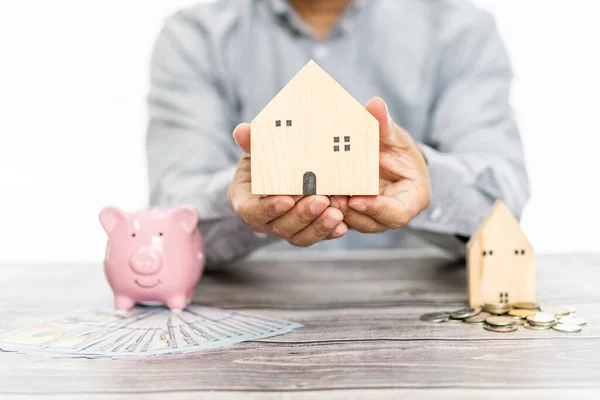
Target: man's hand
{"type": "Point", "coordinates": [404, 186]}
{"type": "Point", "coordinates": [301, 220]}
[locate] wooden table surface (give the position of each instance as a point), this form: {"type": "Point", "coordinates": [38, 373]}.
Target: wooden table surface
{"type": "Point", "coordinates": [361, 337]}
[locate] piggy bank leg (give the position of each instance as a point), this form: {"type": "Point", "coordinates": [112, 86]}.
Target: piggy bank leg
{"type": "Point", "coordinates": [176, 303]}
{"type": "Point", "coordinates": [124, 302]}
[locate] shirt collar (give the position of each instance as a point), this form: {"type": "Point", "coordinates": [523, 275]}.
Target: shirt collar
{"type": "Point", "coordinates": [283, 8]}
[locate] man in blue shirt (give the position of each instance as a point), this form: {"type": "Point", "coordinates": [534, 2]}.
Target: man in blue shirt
{"type": "Point", "coordinates": [433, 72]}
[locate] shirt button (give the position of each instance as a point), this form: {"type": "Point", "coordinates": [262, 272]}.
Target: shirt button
{"type": "Point", "coordinates": [436, 214]}
{"type": "Point", "coordinates": [320, 51]}
{"type": "Point", "coordinates": [261, 235]}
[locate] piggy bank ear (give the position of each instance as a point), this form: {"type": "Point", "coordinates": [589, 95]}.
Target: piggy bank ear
{"type": "Point", "coordinates": [110, 217]}
{"type": "Point", "coordinates": [186, 216]}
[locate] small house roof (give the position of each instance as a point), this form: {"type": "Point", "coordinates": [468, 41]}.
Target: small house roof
{"type": "Point", "coordinates": [313, 75]}
{"type": "Point", "coordinates": [499, 210]}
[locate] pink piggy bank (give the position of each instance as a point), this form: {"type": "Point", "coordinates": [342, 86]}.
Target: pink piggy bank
{"type": "Point", "coordinates": [156, 255]}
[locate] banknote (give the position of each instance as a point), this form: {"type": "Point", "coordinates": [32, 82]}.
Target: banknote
{"type": "Point", "coordinates": [141, 332]}
{"type": "Point", "coordinates": [82, 324]}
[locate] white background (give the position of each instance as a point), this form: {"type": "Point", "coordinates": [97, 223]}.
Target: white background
{"type": "Point", "coordinates": [73, 81]}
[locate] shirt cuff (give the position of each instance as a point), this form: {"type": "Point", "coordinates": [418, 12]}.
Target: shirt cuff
{"type": "Point", "coordinates": [230, 239]}
{"type": "Point", "coordinates": [227, 238]}
{"type": "Point", "coordinates": [216, 203]}
{"type": "Point", "coordinates": [454, 198]}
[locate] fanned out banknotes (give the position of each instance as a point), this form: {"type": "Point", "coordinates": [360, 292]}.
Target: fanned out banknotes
{"type": "Point", "coordinates": [141, 332]}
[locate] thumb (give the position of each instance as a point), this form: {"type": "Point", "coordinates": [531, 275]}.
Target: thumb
{"type": "Point", "coordinates": [377, 108]}
{"type": "Point", "coordinates": [241, 135]}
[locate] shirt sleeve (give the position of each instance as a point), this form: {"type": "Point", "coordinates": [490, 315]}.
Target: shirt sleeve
{"type": "Point", "coordinates": [191, 153]}
{"type": "Point", "coordinates": [473, 146]}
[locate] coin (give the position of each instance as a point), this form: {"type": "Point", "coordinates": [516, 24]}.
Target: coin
{"type": "Point", "coordinates": [541, 319]}
{"type": "Point", "coordinates": [527, 306]}
{"type": "Point", "coordinates": [508, 328]}
{"type": "Point", "coordinates": [464, 313]}
{"type": "Point", "coordinates": [435, 317]}
{"type": "Point", "coordinates": [496, 305]}
{"type": "Point", "coordinates": [536, 327]}
{"type": "Point", "coordinates": [496, 309]}
{"type": "Point", "coordinates": [499, 321]}
{"type": "Point", "coordinates": [563, 311]}
{"type": "Point", "coordinates": [493, 321]}
{"type": "Point", "coordinates": [567, 328]}
{"type": "Point", "coordinates": [572, 321]}
{"type": "Point", "coordinates": [521, 313]}
{"type": "Point", "coordinates": [477, 319]}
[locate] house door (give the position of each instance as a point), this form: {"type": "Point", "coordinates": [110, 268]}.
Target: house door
{"type": "Point", "coordinates": [309, 183]}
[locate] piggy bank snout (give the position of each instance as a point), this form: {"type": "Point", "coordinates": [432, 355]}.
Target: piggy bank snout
{"type": "Point", "coordinates": [146, 261]}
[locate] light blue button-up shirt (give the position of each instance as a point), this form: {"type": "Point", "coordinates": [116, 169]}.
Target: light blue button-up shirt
{"type": "Point", "coordinates": [439, 64]}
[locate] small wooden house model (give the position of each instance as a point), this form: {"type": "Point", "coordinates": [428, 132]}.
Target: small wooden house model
{"type": "Point", "coordinates": [314, 138]}
{"type": "Point", "coordinates": [500, 261]}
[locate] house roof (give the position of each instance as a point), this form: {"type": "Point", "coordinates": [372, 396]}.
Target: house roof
{"type": "Point", "coordinates": [314, 76]}
{"type": "Point", "coordinates": [498, 211]}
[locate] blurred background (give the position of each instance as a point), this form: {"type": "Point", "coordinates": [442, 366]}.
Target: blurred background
{"type": "Point", "coordinates": [73, 83]}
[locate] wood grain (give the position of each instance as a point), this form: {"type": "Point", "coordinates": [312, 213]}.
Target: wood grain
{"type": "Point", "coordinates": [500, 261]}
{"type": "Point", "coordinates": [341, 394]}
{"type": "Point", "coordinates": [315, 126]}
{"type": "Point", "coordinates": [361, 336]}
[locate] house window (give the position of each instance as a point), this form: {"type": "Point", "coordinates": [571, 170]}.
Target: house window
{"type": "Point", "coordinates": [336, 147]}
{"type": "Point", "coordinates": [278, 123]}
{"type": "Point", "coordinates": [288, 122]}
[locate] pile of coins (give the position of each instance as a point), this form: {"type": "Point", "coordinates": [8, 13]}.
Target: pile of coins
{"type": "Point", "coordinates": [504, 317]}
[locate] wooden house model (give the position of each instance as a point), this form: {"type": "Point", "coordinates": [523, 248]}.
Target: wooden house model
{"type": "Point", "coordinates": [500, 261]}
{"type": "Point", "coordinates": [314, 138]}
